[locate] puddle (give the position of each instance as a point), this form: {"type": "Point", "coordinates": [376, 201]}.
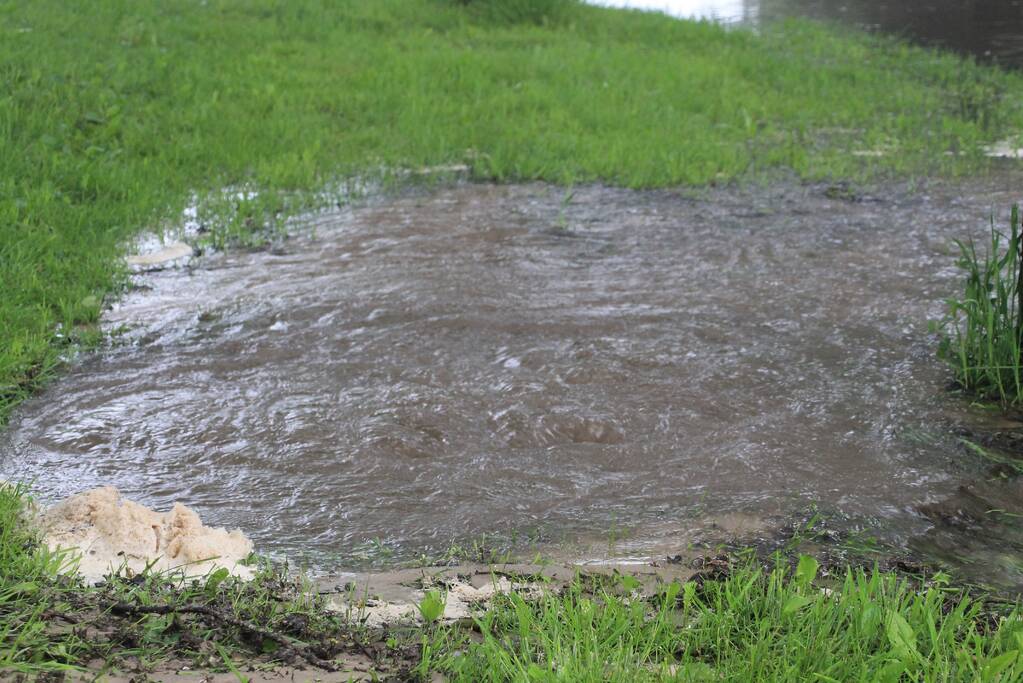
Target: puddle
{"type": "Point", "coordinates": [486, 359]}
{"type": "Point", "coordinates": [991, 30]}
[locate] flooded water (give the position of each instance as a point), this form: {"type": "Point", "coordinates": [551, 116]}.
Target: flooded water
{"type": "Point", "coordinates": [482, 359]}
{"type": "Point", "coordinates": [990, 29]}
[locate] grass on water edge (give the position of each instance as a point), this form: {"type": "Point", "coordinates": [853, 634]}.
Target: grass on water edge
{"type": "Point", "coordinates": [754, 624]}
{"type": "Point", "coordinates": [747, 622]}
{"type": "Point", "coordinates": [983, 329]}
{"type": "Point", "coordinates": [114, 115]}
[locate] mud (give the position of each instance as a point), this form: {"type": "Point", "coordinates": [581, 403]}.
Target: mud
{"type": "Point", "coordinates": [978, 531]}
{"type": "Point", "coordinates": [369, 622]}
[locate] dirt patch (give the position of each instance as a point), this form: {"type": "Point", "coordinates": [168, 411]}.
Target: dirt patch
{"type": "Point", "coordinates": [390, 598]}
{"type": "Point", "coordinates": [976, 530]}
{"type": "Point", "coordinates": [356, 669]}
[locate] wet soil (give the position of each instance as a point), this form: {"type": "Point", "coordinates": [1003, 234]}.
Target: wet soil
{"type": "Point", "coordinates": [536, 365]}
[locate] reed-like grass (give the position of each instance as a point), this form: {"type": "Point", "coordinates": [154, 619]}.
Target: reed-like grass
{"type": "Point", "coordinates": [983, 328]}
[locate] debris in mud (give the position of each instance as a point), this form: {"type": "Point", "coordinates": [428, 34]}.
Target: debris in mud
{"type": "Point", "coordinates": [1005, 149]}
{"type": "Point", "coordinates": [390, 599]}
{"type": "Point", "coordinates": [174, 253]}
{"type": "Point", "coordinates": [463, 596]}
{"type": "Point", "coordinates": [842, 192]}
{"type": "Point", "coordinates": [113, 535]}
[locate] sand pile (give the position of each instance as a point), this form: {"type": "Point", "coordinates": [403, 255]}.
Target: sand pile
{"type": "Point", "coordinates": [113, 534]}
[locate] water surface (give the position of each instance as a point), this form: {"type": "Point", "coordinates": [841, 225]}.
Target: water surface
{"type": "Point", "coordinates": [431, 367]}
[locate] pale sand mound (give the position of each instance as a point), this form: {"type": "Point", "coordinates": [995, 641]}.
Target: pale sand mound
{"type": "Point", "coordinates": [111, 533]}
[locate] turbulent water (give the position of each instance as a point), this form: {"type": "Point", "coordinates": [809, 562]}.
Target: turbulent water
{"type": "Point", "coordinates": [482, 359]}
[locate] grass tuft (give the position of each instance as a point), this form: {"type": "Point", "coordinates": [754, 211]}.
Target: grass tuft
{"type": "Point", "coordinates": [30, 589]}
{"type": "Point", "coordinates": [983, 329]}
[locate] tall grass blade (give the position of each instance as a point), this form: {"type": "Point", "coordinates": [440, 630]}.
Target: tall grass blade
{"type": "Point", "coordinates": [982, 332]}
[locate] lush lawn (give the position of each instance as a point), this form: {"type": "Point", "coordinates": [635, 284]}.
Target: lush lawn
{"type": "Point", "coordinates": [114, 112]}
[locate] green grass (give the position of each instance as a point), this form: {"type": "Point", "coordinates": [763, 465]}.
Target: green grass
{"type": "Point", "coordinates": [983, 330]}
{"type": "Point", "coordinates": [753, 625]}
{"type": "Point", "coordinates": [540, 12]}
{"type": "Point", "coordinates": [113, 114]}
{"type": "Point", "coordinates": [29, 589]}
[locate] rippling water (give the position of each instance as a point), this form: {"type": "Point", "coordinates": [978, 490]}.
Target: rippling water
{"type": "Point", "coordinates": [429, 367]}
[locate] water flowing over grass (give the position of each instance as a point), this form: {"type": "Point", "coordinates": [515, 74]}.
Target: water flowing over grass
{"type": "Point", "coordinates": [114, 115]}
{"type": "Point", "coordinates": [983, 330]}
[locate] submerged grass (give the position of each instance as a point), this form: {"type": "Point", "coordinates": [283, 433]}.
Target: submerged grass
{"type": "Point", "coordinates": [983, 330]}
{"type": "Point", "coordinates": [114, 115]}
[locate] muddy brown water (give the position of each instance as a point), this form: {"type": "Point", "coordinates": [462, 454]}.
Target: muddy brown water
{"type": "Point", "coordinates": [499, 359]}
{"type": "Point", "coordinates": [991, 30]}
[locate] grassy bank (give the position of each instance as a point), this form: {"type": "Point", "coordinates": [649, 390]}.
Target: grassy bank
{"type": "Point", "coordinates": [743, 621]}
{"type": "Point", "coordinates": [750, 625]}
{"type": "Point", "coordinates": [114, 113]}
